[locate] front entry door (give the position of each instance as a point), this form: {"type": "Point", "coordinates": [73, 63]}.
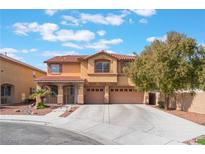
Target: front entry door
{"type": "Point", "coordinates": [68, 94]}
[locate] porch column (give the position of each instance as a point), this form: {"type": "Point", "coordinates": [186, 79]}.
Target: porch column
{"type": "Point", "coordinates": [38, 100]}
{"type": "Point", "coordinates": [60, 94]}
{"type": "Point", "coordinates": [80, 97]}
{"type": "Point", "coordinates": [106, 94]}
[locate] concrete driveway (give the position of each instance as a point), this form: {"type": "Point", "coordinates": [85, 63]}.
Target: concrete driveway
{"type": "Point", "coordinates": [131, 124]}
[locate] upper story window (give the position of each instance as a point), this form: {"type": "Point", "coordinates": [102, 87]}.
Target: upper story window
{"type": "Point", "coordinates": [102, 66]}
{"type": "Point", "coordinates": [124, 64]}
{"type": "Point", "coordinates": [55, 68]}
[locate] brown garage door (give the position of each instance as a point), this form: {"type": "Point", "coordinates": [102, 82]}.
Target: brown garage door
{"type": "Point", "coordinates": [94, 95]}
{"type": "Point", "coordinates": [125, 95]}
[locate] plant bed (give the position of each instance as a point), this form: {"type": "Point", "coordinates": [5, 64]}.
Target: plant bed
{"type": "Point", "coordinates": [194, 117]}
{"type": "Point", "coordinates": [25, 109]}
{"type": "Point", "coordinates": [196, 141]}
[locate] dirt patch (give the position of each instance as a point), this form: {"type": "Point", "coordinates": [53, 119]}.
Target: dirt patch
{"type": "Point", "coordinates": [25, 109]}
{"type": "Point", "coordinates": [195, 117]}
{"type": "Point", "coordinates": [68, 112]}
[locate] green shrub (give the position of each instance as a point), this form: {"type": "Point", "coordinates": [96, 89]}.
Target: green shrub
{"type": "Point", "coordinates": [41, 105]}
{"type": "Point", "coordinates": [201, 141]}
{"type": "Point", "coordinates": [161, 104]}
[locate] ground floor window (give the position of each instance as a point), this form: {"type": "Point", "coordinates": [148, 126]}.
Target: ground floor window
{"type": "Point", "coordinates": [6, 90]}
{"type": "Point", "coordinates": [54, 90]}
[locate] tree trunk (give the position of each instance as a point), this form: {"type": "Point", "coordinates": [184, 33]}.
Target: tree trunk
{"type": "Point", "coordinates": [37, 102]}
{"type": "Point", "coordinates": [166, 102]}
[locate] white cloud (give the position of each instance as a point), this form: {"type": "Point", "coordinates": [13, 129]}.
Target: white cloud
{"type": "Point", "coordinates": [8, 50]}
{"type": "Point", "coordinates": [151, 39]}
{"type": "Point", "coordinates": [144, 12]}
{"type": "Point", "coordinates": [203, 44]}
{"type": "Point", "coordinates": [130, 21]}
{"type": "Point", "coordinates": [110, 51]}
{"type": "Point", "coordinates": [28, 50]}
{"type": "Point", "coordinates": [70, 20]}
{"type": "Point", "coordinates": [58, 53]}
{"type": "Point", "coordinates": [50, 12]}
{"type": "Point", "coordinates": [101, 32]}
{"type": "Point", "coordinates": [12, 52]}
{"type": "Point", "coordinates": [72, 45]}
{"type": "Point", "coordinates": [143, 21]}
{"type": "Point", "coordinates": [104, 44]}
{"type": "Point", "coordinates": [70, 35]}
{"type": "Point", "coordinates": [51, 32]}
{"type": "Point", "coordinates": [125, 13]}
{"type": "Point", "coordinates": [46, 30]}
{"type": "Point", "coordinates": [111, 19]}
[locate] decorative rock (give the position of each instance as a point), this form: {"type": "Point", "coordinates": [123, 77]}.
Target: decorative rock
{"type": "Point", "coordinates": [17, 110]}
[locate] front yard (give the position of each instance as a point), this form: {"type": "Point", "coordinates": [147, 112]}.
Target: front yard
{"type": "Point", "coordinates": [25, 109]}
{"type": "Point", "coordinates": [195, 117]}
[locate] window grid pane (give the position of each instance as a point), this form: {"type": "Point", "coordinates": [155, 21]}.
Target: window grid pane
{"type": "Point", "coordinates": [55, 68]}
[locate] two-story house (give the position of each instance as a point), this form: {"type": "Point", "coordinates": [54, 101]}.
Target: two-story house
{"type": "Point", "coordinates": [93, 79]}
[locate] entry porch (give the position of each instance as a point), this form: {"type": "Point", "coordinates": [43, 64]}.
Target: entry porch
{"type": "Point", "coordinates": [65, 90]}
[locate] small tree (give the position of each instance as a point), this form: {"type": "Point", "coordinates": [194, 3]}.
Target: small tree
{"type": "Point", "coordinates": [41, 94]}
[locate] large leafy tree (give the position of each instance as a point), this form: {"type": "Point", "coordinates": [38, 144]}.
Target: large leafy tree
{"type": "Point", "coordinates": [168, 66]}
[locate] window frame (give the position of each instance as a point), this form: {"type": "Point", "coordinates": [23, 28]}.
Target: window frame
{"type": "Point", "coordinates": [103, 68]}
{"type": "Point", "coordinates": [51, 70]}
{"type": "Point", "coordinates": [123, 64]}
{"type": "Point", "coordinates": [6, 91]}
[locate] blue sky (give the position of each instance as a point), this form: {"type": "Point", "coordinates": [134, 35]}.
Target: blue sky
{"type": "Point", "coordinates": [33, 36]}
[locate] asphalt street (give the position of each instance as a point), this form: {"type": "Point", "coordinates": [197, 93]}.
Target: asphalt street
{"type": "Point", "coordinates": [30, 134]}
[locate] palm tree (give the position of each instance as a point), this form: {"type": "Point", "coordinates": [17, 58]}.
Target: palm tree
{"type": "Point", "coordinates": [40, 93]}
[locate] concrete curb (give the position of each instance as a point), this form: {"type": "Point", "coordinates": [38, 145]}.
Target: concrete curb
{"type": "Point", "coordinates": [25, 121]}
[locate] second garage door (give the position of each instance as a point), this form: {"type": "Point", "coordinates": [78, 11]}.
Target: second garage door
{"type": "Point", "coordinates": [94, 95]}
{"type": "Point", "coordinates": [125, 95]}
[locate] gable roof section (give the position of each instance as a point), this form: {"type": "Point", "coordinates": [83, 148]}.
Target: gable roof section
{"type": "Point", "coordinates": [20, 63]}
{"type": "Point", "coordinates": [98, 53]}
{"type": "Point", "coordinates": [123, 57]}
{"type": "Point", "coordinates": [78, 58]}
{"type": "Point", "coordinates": [64, 59]}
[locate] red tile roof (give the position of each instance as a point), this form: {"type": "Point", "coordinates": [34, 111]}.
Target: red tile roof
{"type": "Point", "coordinates": [58, 78]}
{"type": "Point", "coordinates": [123, 57]}
{"type": "Point", "coordinates": [67, 58]}
{"type": "Point", "coordinates": [77, 58]}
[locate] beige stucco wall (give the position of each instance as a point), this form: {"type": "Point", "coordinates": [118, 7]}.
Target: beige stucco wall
{"type": "Point", "coordinates": [191, 103]}
{"type": "Point", "coordinates": [69, 69]}
{"type": "Point", "coordinates": [88, 70]}
{"type": "Point", "coordinates": [124, 81]}
{"type": "Point", "coordinates": [188, 102]}
{"type": "Point", "coordinates": [113, 63]}
{"type": "Point", "coordinates": [21, 77]}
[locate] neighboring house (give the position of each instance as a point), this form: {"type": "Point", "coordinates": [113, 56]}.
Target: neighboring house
{"type": "Point", "coordinates": [93, 79]}
{"type": "Point", "coordinates": [16, 80]}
